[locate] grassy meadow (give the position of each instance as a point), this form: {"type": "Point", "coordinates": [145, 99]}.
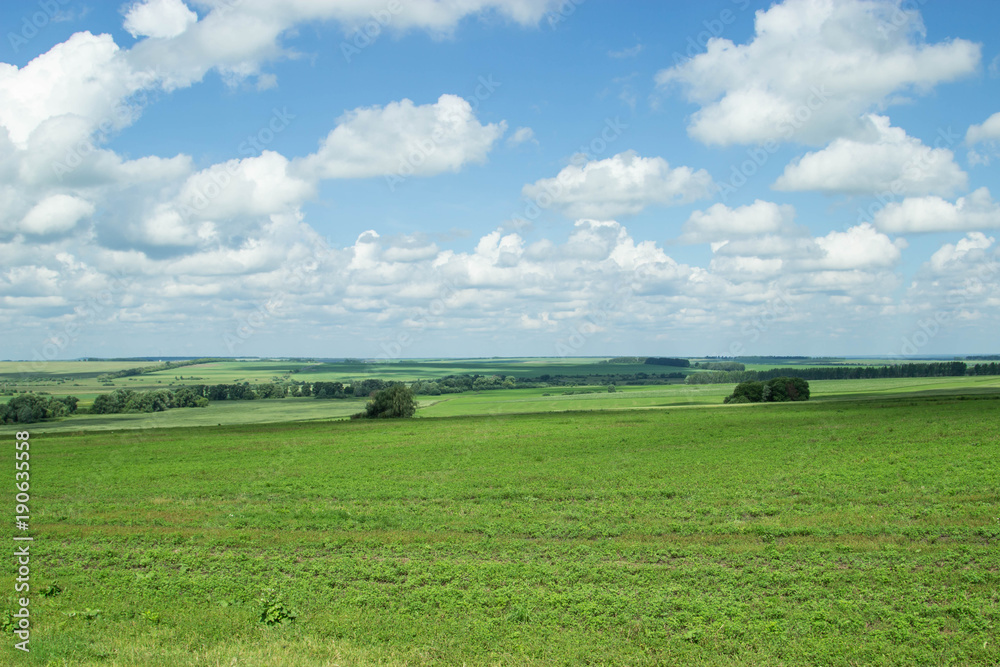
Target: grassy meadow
{"type": "Point", "coordinates": [848, 531]}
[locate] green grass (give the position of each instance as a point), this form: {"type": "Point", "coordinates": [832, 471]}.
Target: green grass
{"type": "Point", "coordinates": [839, 532]}
{"type": "Point", "coordinates": [218, 413]}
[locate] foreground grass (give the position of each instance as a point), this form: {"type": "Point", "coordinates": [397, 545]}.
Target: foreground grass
{"type": "Point", "coordinates": [831, 534]}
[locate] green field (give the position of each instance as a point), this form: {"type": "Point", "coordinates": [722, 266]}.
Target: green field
{"type": "Point", "coordinates": [839, 532]}
{"type": "Point", "coordinates": [509, 401]}
{"type": "Point", "coordinates": [80, 379]}
{"type": "Point", "coordinates": [557, 525]}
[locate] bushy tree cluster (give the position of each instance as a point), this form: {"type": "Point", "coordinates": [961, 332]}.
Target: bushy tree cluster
{"type": "Point", "coordinates": [775, 390]}
{"type": "Point", "coordinates": [128, 400]}
{"type": "Point", "coordinates": [394, 402]}
{"type": "Point", "coordinates": [30, 408]}
{"type": "Point", "coordinates": [667, 361]}
{"type": "Point", "coordinates": [719, 366]}
{"type": "Point", "coordinates": [325, 390]}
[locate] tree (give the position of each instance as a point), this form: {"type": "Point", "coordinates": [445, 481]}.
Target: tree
{"type": "Point", "coordinates": [753, 392]}
{"type": "Point", "coordinates": [775, 390]}
{"type": "Point", "coordinates": [393, 402]}
{"type": "Point", "coordinates": [788, 389]}
{"type": "Point", "coordinates": [29, 408]}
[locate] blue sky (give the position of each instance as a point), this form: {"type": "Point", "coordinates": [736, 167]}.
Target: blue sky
{"type": "Point", "coordinates": [498, 177]}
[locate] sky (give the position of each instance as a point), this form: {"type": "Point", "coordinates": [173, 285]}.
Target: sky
{"type": "Point", "coordinates": [472, 178]}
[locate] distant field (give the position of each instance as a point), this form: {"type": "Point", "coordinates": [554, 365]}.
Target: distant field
{"type": "Point", "coordinates": [217, 413]}
{"type": "Point", "coordinates": [840, 532]}
{"type": "Point", "coordinates": [511, 401]}
{"type": "Point", "coordinates": [80, 378]}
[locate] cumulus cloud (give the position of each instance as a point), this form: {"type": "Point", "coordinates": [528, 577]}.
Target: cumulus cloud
{"type": "Point", "coordinates": [159, 18]}
{"type": "Point", "coordinates": [853, 268]}
{"type": "Point", "coordinates": [83, 79]}
{"type": "Point", "coordinates": [621, 185]}
{"type": "Point", "coordinates": [55, 214]}
{"type": "Point", "coordinates": [951, 256]}
{"type": "Point", "coordinates": [860, 247]}
{"type": "Point", "coordinates": [237, 38]}
{"type": "Point", "coordinates": [888, 160]}
{"type": "Point", "coordinates": [812, 69]}
{"type": "Point", "coordinates": [988, 131]}
{"type": "Point", "coordinates": [933, 214]}
{"type": "Point", "coordinates": [403, 139]}
{"type": "Point", "coordinates": [988, 134]}
{"type": "Point", "coordinates": [719, 223]}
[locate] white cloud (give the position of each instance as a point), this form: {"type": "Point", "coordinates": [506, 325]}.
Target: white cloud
{"type": "Point", "coordinates": [630, 52]}
{"type": "Point", "coordinates": [621, 185]}
{"type": "Point", "coordinates": [522, 135]}
{"type": "Point", "coordinates": [988, 131]}
{"type": "Point", "coordinates": [83, 79]}
{"type": "Point", "coordinates": [235, 38]}
{"type": "Point", "coordinates": [402, 139]}
{"type": "Point", "coordinates": [933, 214]}
{"type": "Point", "coordinates": [159, 18]}
{"type": "Point", "coordinates": [256, 186]}
{"type": "Point", "coordinates": [886, 161]}
{"type": "Point", "coordinates": [812, 69]}
{"type": "Point", "coordinates": [720, 223]}
{"type": "Point", "coordinates": [742, 267]}
{"type": "Point", "coordinates": [55, 215]}
{"type": "Point", "coordinates": [860, 247]}
{"type": "Point", "coordinates": [950, 255]}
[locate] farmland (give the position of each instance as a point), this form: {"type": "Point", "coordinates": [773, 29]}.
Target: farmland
{"type": "Point", "coordinates": [87, 380]}
{"type": "Point", "coordinates": [860, 528]}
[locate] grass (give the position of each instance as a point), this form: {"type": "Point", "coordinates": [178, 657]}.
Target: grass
{"type": "Point", "coordinates": [218, 413]}
{"type": "Point", "coordinates": [839, 532]}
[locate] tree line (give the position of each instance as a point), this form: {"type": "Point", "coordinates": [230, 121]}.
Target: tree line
{"type": "Point", "coordinates": [30, 408]}
{"type": "Point", "coordinates": [937, 369]}
{"type": "Point", "coordinates": [155, 400]}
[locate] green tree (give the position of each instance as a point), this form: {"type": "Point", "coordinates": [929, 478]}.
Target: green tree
{"type": "Point", "coordinates": [393, 402]}
{"type": "Point", "coordinates": [753, 392]}
{"type": "Point", "coordinates": [788, 389]}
